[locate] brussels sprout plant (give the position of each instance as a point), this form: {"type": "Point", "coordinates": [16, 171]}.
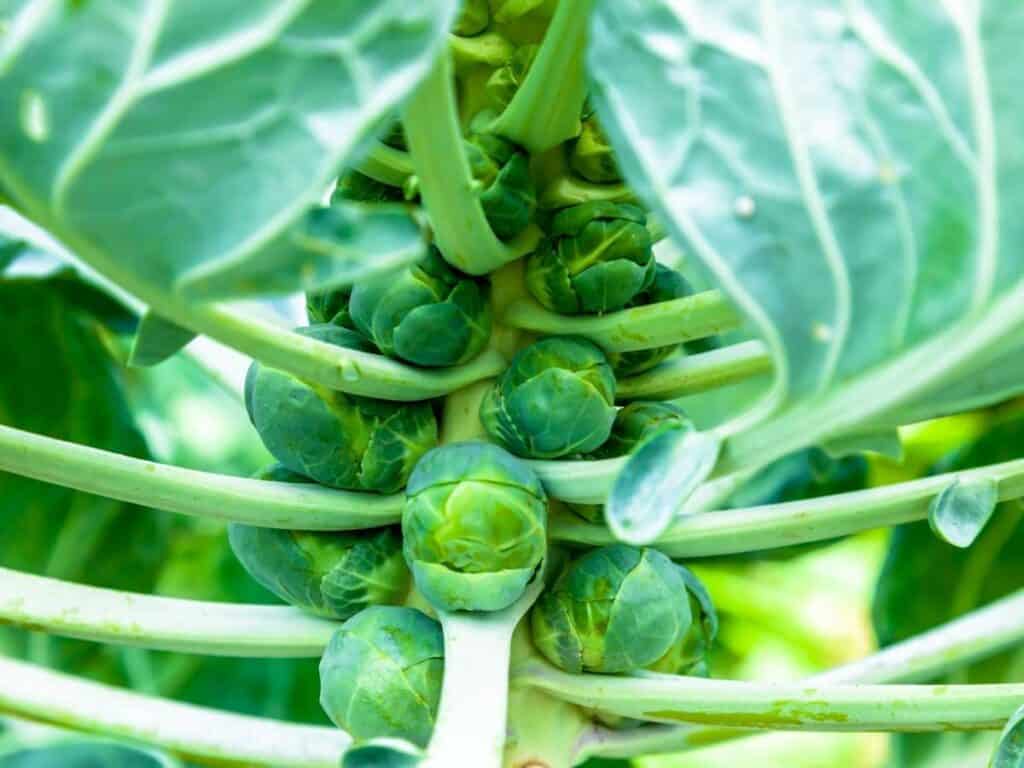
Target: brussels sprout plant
{"type": "Point", "coordinates": [588, 337]}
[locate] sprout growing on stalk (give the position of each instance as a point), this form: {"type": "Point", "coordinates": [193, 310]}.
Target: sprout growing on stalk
{"type": "Point", "coordinates": [615, 609]}
{"type": "Point", "coordinates": [428, 314]}
{"type": "Point", "coordinates": [596, 258]}
{"type": "Point", "coordinates": [381, 674]}
{"type": "Point", "coordinates": [340, 440]}
{"type": "Point", "coordinates": [638, 422]}
{"type": "Point", "coordinates": [334, 574]}
{"type": "Point", "coordinates": [474, 527]}
{"type": "Point", "coordinates": [556, 399]}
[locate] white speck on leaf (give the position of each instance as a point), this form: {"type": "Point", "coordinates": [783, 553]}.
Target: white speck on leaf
{"type": "Point", "coordinates": [744, 207]}
{"type": "Point", "coordinates": [35, 117]}
{"type": "Point", "coordinates": [822, 332]}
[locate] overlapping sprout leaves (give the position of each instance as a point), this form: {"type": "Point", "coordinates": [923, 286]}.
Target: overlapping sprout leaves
{"type": "Point", "coordinates": [559, 236]}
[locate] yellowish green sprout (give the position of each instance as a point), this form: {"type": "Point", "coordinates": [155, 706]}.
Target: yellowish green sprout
{"type": "Point", "coordinates": [474, 527]}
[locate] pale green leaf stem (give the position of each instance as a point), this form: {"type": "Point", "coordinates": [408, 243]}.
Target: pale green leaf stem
{"type": "Point", "coordinates": [546, 109]}
{"type": "Point", "coordinates": [159, 623]}
{"type": "Point", "coordinates": [446, 184]}
{"type": "Point", "coordinates": [735, 531]}
{"type": "Point", "coordinates": [137, 481]}
{"type": "Point", "coordinates": [198, 734]}
{"type": "Point", "coordinates": [647, 327]}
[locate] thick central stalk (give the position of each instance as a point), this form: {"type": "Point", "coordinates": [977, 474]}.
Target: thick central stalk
{"type": "Point", "coordinates": [472, 719]}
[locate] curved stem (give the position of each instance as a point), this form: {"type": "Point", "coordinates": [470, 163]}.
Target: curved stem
{"type": "Point", "coordinates": [800, 706]}
{"type": "Point", "coordinates": [778, 525]}
{"type": "Point", "coordinates": [647, 327]}
{"type": "Point", "coordinates": [690, 374]}
{"type": "Point", "coordinates": [190, 492]}
{"type": "Point", "coordinates": [578, 482]}
{"type": "Point", "coordinates": [446, 183]}
{"type": "Point", "coordinates": [159, 623]}
{"type": "Point", "coordinates": [970, 638]}
{"type": "Point", "coordinates": [197, 734]}
{"type": "Point", "coordinates": [387, 165]}
{"type": "Point", "coordinates": [331, 366]}
{"type": "Point", "coordinates": [545, 111]}
{"type": "Point", "coordinates": [472, 719]}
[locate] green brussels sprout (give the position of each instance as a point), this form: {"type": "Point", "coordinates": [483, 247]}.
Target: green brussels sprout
{"type": "Point", "coordinates": [667, 285]}
{"type": "Point", "coordinates": [330, 306]}
{"type": "Point", "coordinates": [615, 609]}
{"type": "Point", "coordinates": [428, 314]}
{"type": "Point", "coordinates": [331, 574]}
{"type": "Point", "coordinates": [555, 399]}
{"type": "Point", "coordinates": [337, 439]}
{"type": "Point", "coordinates": [473, 18]}
{"type": "Point", "coordinates": [638, 422]}
{"type": "Point", "coordinates": [502, 85]}
{"type": "Point", "coordinates": [592, 157]}
{"type": "Point", "coordinates": [507, 193]}
{"type": "Point", "coordinates": [596, 258]}
{"type": "Point", "coordinates": [474, 527]}
{"type": "Point", "coordinates": [691, 653]}
{"type": "Point", "coordinates": [381, 675]}
{"type": "Point", "coordinates": [357, 187]}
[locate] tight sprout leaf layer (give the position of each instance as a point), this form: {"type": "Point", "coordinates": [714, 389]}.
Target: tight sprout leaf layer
{"type": "Point", "coordinates": [331, 574]}
{"type": "Point", "coordinates": [616, 609]}
{"type": "Point", "coordinates": [381, 674]}
{"type": "Point", "coordinates": [556, 399]}
{"type": "Point", "coordinates": [340, 440]}
{"type": "Point", "coordinates": [596, 258]}
{"type": "Point", "coordinates": [428, 314]}
{"type": "Point", "coordinates": [474, 527]}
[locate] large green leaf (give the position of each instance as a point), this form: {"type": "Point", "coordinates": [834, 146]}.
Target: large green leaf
{"type": "Point", "coordinates": [188, 143]}
{"type": "Point", "coordinates": [849, 172]}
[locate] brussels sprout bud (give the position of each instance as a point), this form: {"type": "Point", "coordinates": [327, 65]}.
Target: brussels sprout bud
{"type": "Point", "coordinates": [505, 81]}
{"type": "Point", "coordinates": [507, 193]}
{"type": "Point", "coordinates": [357, 187]}
{"type": "Point", "coordinates": [330, 306]}
{"type": "Point", "coordinates": [381, 675]}
{"type": "Point", "coordinates": [429, 314]}
{"type": "Point", "coordinates": [638, 422]}
{"type": "Point", "coordinates": [592, 156]}
{"type": "Point", "coordinates": [473, 18]}
{"type": "Point", "coordinates": [340, 440]}
{"type": "Point", "coordinates": [691, 654]}
{"type": "Point", "coordinates": [474, 527]}
{"type": "Point", "coordinates": [597, 257]}
{"type": "Point", "coordinates": [331, 574]}
{"type": "Point", "coordinates": [666, 286]}
{"type": "Point", "coordinates": [556, 399]}
{"type": "Point", "coordinates": [616, 609]}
